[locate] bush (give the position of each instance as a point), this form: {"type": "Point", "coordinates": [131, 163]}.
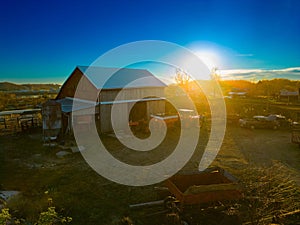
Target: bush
{"type": "Point", "coordinates": [49, 217]}
{"type": "Point", "coordinates": [6, 218]}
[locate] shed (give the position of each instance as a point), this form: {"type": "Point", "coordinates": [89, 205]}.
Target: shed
{"type": "Point", "coordinates": [289, 96]}
{"type": "Point", "coordinates": [142, 92]}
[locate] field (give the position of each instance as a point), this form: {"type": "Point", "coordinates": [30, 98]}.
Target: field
{"type": "Point", "coordinates": [264, 161]}
{"type": "Point", "coordinates": [79, 192]}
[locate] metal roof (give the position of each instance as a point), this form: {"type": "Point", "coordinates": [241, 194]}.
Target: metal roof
{"type": "Point", "coordinates": [116, 78]}
{"type": "Point", "coordinates": [19, 111]}
{"type": "Point", "coordinates": [288, 93]}
{"type": "Point", "coordinates": [74, 104]}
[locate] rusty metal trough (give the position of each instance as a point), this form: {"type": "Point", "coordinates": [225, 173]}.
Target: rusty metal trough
{"type": "Point", "coordinates": [213, 184]}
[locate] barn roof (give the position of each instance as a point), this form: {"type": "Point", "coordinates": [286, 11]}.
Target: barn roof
{"type": "Point", "coordinates": [288, 93]}
{"type": "Point", "coordinates": [116, 78]}
{"type": "Point", "coordinates": [74, 104]}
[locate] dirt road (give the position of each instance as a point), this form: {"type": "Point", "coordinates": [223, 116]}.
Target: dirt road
{"type": "Point", "coordinates": [260, 147]}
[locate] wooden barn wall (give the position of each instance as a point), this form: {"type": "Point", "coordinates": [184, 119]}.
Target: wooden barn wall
{"type": "Point", "coordinates": [105, 121]}
{"type": "Point", "coordinates": [121, 119]}
{"type": "Point", "coordinates": [105, 117]}
{"type": "Point", "coordinates": [87, 89]}
{"type": "Point", "coordinates": [124, 108]}
{"type": "Point", "coordinates": [132, 93]}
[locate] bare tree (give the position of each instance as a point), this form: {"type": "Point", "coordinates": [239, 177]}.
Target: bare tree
{"type": "Point", "coordinates": [215, 78]}
{"type": "Point", "coordinates": [214, 75]}
{"type": "Point", "coordinates": [181, 78]}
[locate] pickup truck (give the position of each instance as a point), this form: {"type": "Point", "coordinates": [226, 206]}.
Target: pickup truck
{"type": "Point", "coordinates": [259, 122]}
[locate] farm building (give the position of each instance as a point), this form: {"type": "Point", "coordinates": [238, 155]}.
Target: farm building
{"type": "Point", "coordinates": [16, 120]}
{"type": "Point", "coordinates": [139, 92]}
{"type": "Point", "coordinates": [289, 96]}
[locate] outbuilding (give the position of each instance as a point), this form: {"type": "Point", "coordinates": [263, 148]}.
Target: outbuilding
{"type": "Point", "coordinates": [289, 96]}
{"type": "Point", "coordinates": [137, 93]}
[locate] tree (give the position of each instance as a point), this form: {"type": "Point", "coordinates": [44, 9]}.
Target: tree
{"type": "Point", "coordinates": [181, 78]}
{"type": "Point", "coordinates": [215, 79]}
{"type": "Point", "coordinates": [214, 75]}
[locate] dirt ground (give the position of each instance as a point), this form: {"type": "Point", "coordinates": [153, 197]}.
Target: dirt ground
{"type": "Point", "coordinates": [78, 191]}
{"type": "Point", "coordinates": [259, 147]}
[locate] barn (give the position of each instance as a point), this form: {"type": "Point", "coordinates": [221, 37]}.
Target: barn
{"type": "Point", "coordinates": [289, 96]}
{"type": "Point", "coordinates": [139, 93]}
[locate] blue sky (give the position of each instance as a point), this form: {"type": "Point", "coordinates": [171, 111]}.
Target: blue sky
{"type": "Point", "coordinates": [43, 41]}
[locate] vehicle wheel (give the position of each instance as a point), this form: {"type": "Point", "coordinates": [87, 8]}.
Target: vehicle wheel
{"type": "Point", "coordinates": [252, 127]}
{"type": "Point", "coordinates": [170, 202]}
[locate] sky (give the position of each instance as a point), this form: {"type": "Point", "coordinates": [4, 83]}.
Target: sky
{"type": "Point", "coordinates": [43, 41]}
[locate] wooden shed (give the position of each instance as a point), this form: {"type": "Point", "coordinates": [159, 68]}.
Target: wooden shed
{"type": "Point", "coordinates": [289, 96]}
{"type": "Point", "coordinates": [139, 92]}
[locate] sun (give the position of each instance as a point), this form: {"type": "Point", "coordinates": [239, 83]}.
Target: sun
{"type": "Point", "coordinates": [210, 58]}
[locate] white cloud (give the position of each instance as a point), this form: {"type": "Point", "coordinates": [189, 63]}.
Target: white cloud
{"type": "Point", "coordinates": [292, 73]}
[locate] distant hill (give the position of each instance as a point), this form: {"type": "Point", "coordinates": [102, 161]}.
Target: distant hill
{"type": "Point", "coordinates": [6, 86]}
{"type": "Point", "coordinates": [11, 87]}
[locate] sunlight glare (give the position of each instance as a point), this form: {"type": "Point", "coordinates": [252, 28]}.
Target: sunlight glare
{"type": "Point", "coordinates": [210, 58]}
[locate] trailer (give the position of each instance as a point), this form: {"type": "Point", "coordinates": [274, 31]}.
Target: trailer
{"type": "Point", "coordinates": [195, 198]}
{"type": "Point", "coordinates": [211, 185]}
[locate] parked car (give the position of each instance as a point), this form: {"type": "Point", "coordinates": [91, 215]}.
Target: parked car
{"type": "Point", "coordinates": [282, 121]}
{"type": "Point", "coordinates": [259, 122]}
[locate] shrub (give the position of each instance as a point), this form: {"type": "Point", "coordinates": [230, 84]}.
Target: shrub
{"type": "Point", "coordinates": [6, 218]}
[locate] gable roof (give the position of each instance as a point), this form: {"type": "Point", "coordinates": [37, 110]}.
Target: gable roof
{"type": "Point", "coordinates": [116, 78]}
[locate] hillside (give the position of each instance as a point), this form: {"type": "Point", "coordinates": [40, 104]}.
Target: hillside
{"type": "Point", "coordinates": [8, 87]}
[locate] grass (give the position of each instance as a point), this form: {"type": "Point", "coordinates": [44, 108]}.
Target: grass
{"type": "Point", "coordinates": [77, 191]}
{"type": "Point", "coordinates": [269, 194]}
